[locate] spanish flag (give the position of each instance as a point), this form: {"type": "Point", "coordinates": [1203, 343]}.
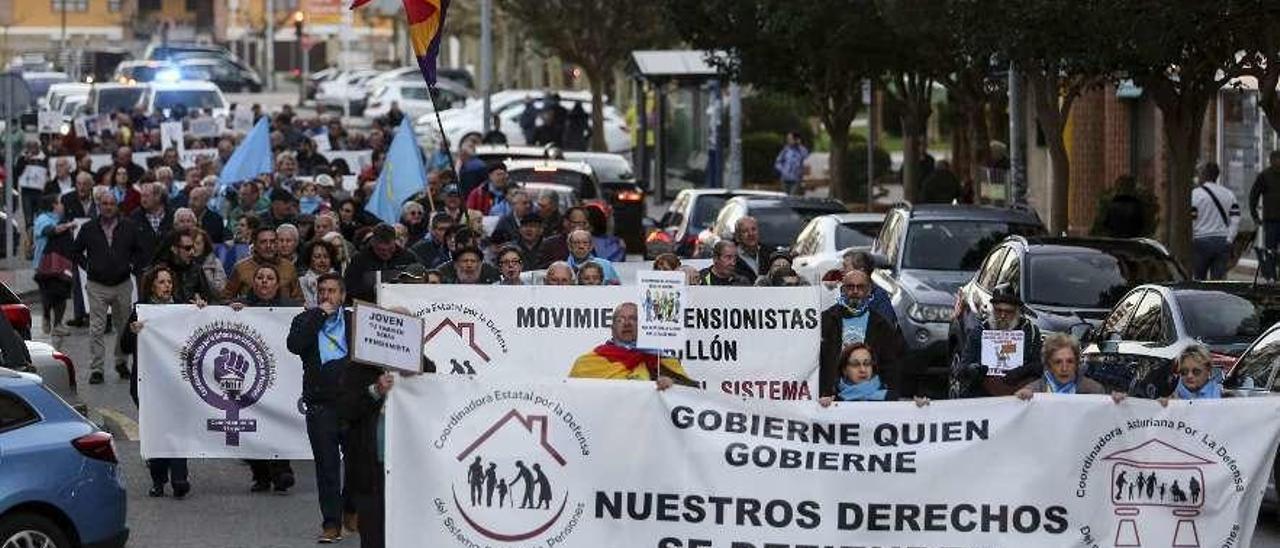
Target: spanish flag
{"type": "Point", "coordinates": [426, 21]}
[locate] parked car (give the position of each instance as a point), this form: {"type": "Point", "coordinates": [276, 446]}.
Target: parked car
{"type": "Point", "coordinates": [346, 92]}
{"type": "Point", "coordinates": [229, 76]}
{"type": "Point", "coordinates": [16, 312]}
{"type": "Point", "coordinates": [822, 244]}
{"type": "Point", "coordinates": [692, 211]}
{"type": "Point", "coordinates": [318, 77]}
{"type": "Point", "coordinates": [413, 97]}
{"type": "Point", "coordinates": [58, 93]}
{"type": "Point", "coordinates": [1254, 374]}
{"type": "Point", "coordinates": [508, 106]}
{"type": "Point", "coordinates": [622, 190]}
{"type": "Point", "coordinates": [114, 97]}
{"type": "Point", "coordinates": [1066, 282]}
{"type": "Point", "coordinates": [194, 96]}
{"type": "Point", "coordinates": [925, 253]}
{"type": "Point", "coordinates": [60, 481]}
{"type": "Point", "coordinates": [502, 153]}
{"type": "Point", "coordinates": [145, 72]}
{"type": "Point", "coordinates": [163, 51]}
{"type": "Point", "coordinates": [780, 219]}
{"type": "Point", "coordinates": [1134, 347]}
{"type": "Point", "coordinates": [575, 175]}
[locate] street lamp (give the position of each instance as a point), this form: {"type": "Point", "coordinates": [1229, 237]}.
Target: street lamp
{"type": "Point", "coordinates": [301, 56]}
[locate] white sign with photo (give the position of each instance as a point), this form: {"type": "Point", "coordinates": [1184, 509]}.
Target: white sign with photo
{"type": "Point", "coordinates": [661, 296]}
{"type": "Point", "coordinates": [1002, 351]}
{"type": "Point", "coordinates": [171, 136]}
{"type": "Point", "coordinates": [48, 121]}
{"type": "Point", "coordinates": [34, 177]}
{"type": "Point", "coordinates": [203, 128]}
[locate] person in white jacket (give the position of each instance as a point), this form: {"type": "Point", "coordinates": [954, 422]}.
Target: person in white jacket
{"type": "Point", "coordinates": [1215, 220]}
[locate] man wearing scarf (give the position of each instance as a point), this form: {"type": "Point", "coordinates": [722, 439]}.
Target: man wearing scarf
{"type": "Point", "coordinates": [968, 375]}
{"type": "Point", "coordinates": [321, 337]}
{"type": "Point", "coordinates": [851, 320]}
{"type": "Point", "coordinates": [618, 358]}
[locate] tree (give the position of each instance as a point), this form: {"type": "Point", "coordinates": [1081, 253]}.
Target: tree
{"type": "Point", "coordinates": [820, 50]}
{"type": "Point", "coordinates": [1263, 56]}
{"type": "Point", "coordinates": [1182, 53]}
{"type": "Point", "coordinates": [597, 35]}
{"type": "Point", "coordinates": [1052, 44]}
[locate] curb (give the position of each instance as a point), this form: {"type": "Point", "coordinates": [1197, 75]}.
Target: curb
{"type": "Point", "coordinates": [117, 424]}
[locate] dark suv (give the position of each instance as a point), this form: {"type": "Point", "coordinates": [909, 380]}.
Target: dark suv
{"type": "Point", "coordinates": [1065, 281]}
{"type": "Point", "coordinates": [926, 252]}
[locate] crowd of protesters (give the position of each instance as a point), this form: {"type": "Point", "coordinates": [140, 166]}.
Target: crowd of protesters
{"type": "Point", "coordinates": [123, 234]}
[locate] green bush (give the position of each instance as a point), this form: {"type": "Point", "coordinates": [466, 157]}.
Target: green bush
{"type": "Point", "coordinates": [775, 113]}
{"type": "Point", "coordinates": [855, 177]}
{"type": "Point", "coordinates": [758, 152]}
{"type": "Point", "coordinates": [1138, 189]}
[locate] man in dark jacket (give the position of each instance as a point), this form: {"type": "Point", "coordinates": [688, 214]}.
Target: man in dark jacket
{"type": "Point", "coordinates": [153, 218]}
{"type": "Point", "coordinates": [972, 379]}
{"type": "Point", "coordinates": [1266, 189]}
{"type": "Point", "coordinates": [109, 249]}
{"type": "Point", "coordinates": [752, 258]}
{"type": "Point", "coordinates": [851, 320]}
{"type": "Point", "coordinates": [364, 389]}
{"type": "Point", "coordinates": [321, 337]}
{"type": "Point", "coordinates": [723, 269]}
{"type": "Point", "coordinates": [189, 279]}
{"type": "Point", "coordinates": [433, 250]}
{"type": "Point", "coordinates": [382, 254]}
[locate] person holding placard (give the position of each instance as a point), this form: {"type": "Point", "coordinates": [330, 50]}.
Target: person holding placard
{"type": "Point", "coordinates": [321, 337]}
{"type": "Point", "coordinates": [619, 359]}
{"type": "Point", "coordinates": [1001, 354]}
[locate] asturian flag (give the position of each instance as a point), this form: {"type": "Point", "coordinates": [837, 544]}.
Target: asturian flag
{"type": "Point", "coordinates": [402, 176]}
{"type": "Point", "coordinates": [426, 21]}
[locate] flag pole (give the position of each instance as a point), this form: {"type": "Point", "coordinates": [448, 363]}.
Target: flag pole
{"type": "Point", "coordinates": [431, 92]}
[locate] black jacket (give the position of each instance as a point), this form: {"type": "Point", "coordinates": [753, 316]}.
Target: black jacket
{"type": "Point", "coordinates": [190, 281]}
{"type": "Point", "coordinates": [887, 346]}
{"type": "Point", "coordinates": [361, 280]}
{"type": "Point", "coordinates": [358, 413]}
{"type": "Point", "coordinates": [73, 209]}
{"type": "Point", "coordinates": [707, 276]}
{"type": "Point", "coordinates": [110, 265]}
{"type": "Point", "coordinates": [967, 381]}
{"type": "Point", "coordinates": [1266, 188]}
{"type": "Point", "coordinates": [321, 382]}
{"type": "Point", "coordinates": [150, 237]}
{"type": "Point", "coordinates": [429, 252]}
{"type": "Point", "coordinates": [213, 223]}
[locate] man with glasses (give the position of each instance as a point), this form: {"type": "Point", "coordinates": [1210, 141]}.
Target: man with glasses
{"type": "Point", "coordinates": [723, 270]}
{"type": "Point", "coordinates": [190, 284]}
{"type": "Point", "coordinates": [970, 378]}
{"type": "Point", "coordinates": [852, 320]}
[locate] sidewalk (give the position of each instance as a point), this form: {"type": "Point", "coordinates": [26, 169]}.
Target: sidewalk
{"type": "Point", "coordinates": [21, 281]}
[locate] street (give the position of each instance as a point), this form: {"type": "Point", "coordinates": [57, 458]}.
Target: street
{"type": "Point", "coordinates": [220, 512]}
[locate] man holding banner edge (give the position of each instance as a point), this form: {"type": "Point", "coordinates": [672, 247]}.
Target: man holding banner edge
{"type": "Point", "coordinates": [618, 358]}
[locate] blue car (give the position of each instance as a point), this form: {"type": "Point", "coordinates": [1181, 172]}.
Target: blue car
{"type": "Point", "coordinates": [60, 483]}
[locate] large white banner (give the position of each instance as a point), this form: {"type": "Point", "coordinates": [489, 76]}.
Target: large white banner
{"type": "Point", "coordinates": [751, 342]}
{"type": "Point", "coordinates": [588, 463]}
{"type": "Point", "coordinates": [217, 383]}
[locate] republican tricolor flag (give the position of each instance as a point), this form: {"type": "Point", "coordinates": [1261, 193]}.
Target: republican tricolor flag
{"type": "Point", "coordinates": [426, 20]}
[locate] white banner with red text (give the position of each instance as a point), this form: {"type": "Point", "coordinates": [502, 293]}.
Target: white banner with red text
{"type": "Point", "coordinates": [591, 463]}
{"type": "Point", "coordinates": [217, 383]}
{"type": "Point", "coordinates": [747, 341]}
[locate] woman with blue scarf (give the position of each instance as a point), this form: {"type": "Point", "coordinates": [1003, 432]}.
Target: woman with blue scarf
{"type": "Point", "coordinates": [860, 380]}
{"type": "Point", "coordinates": [1061, 356]}
{"type": "Point", "coordinates": [50, 259]}
{"type": "Point", "coordinates": [1197, 379]}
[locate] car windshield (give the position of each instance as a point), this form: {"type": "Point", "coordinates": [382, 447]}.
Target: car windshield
{"type": "Point", "coordinates": [415, 92]}
{"type": "Point", "coordinates": [611, 170]}
{"type": "Point", "coordinates": [780, 225]}
{"type": "Point", "coordinates": [571, 179]}
{"type": "Point", "coordinates": [1093, 280]}
{"type": "Point", "coordinates": [190, 98]}
{"type": "Point", "coordinates": [1220, 317]}
{"type": "Point", "coordinates": [956, 245]}
{"type": "Point", "coordinates": [856, 234]}
{"type": "Point", "coordinates": [706, 209]}
{"type": "Point", "coordinates": [111, 100]}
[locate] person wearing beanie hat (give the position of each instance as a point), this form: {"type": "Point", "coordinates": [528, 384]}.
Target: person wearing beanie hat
{"type": "Point", "coordinates": [971, 378]}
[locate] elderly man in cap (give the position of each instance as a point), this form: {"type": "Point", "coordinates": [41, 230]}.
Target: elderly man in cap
{"type": "Point", "coordinates": [970, 378]}
{"type": "Point", "coordinates": [619, 359]}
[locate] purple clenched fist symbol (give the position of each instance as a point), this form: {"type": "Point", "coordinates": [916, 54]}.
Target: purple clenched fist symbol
{"type": "Point", "coordinates": [229, 370]}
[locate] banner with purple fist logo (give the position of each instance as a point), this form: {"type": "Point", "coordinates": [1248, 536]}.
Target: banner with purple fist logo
{"type": "Point", "coordinates": [217, 383]}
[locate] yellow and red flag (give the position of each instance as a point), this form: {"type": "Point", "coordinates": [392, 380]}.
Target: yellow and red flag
{"type": "Point", "coordinates": [426, 21]}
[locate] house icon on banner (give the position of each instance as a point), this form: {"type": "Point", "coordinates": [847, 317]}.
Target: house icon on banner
{"type": "Point", "coordinates": [1156, 475]}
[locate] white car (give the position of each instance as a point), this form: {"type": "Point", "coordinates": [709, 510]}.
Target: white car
{"type": "Point", "coordinates": [821, 246]}
{"type": "Point", "coordinates": [509, 105]}
{"type": "Point", "coordinates": [195, 96]}
{"type": "Point", "coordinates": [56, 370]}
{"type": "Point", "coordinates": [59, 92]}
{"type": "Point", "coordinates": [345, 91]}
{"type": "Point", "coordinates": [413, 98]}
{"type": "Point", "coordinates": [107, 98]}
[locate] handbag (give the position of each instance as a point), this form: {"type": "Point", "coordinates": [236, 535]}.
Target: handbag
{"type": "Point", "coordinates": [54, 265]}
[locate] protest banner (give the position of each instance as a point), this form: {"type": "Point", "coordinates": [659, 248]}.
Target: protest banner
{"type": "Point", "coordinates": [356, 159]}
{"type": "Point", "coordinates": [171, 136]}
{"type": "Point", "coordinates": [188, 157]}
{"type": "Point", "coordinates": [203, 128]}
{"type": "Point", "coordinates": [386, 338]}
{"type": "Point", "coordinates": [585, 463]}
{"type": "Point", "coordinates": [219, 384]}
{"type": "Point", "coordinates": [48, 121]}
{"type": "Point", "coordinates": [1002, 351]}
{"type": "Point", "coordinates": [661, 318]}
{"type": "Point", "coordinates": [738, 340]}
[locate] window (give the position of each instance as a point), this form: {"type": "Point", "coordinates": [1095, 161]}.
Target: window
{"type": "Point", "coordinates": [113, 6]}
{"type": "Point", "coordinates": [991, 267]}
{"type": "Point", "coordinates": [1255, 367]}
{"type": "Point", "coordinates": [15, 413]}
{"type": "Point", "coordinates": [1216, 317]}
{"type": "Point", "coordinates": [1094, 280]}
{"type": "Point", "coordinates": [1116, 321]}
{"type": "Point", "coordinates": [955, 245]}
{"type": "Point", "coordinates": [1147, 325]}
{"type": "Point", "coordinates": [890, 235]}
{"type": "Point", "coordinates": [855, 235]}
{"type": "Point", "coordinates": [69, 5]}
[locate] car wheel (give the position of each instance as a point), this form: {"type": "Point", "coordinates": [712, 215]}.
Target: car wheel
{"type": "Point", "coordinates": [31, 531]}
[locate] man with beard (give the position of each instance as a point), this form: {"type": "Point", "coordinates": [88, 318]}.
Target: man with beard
{"type": "Point", "coordinates": [851, 320]}
{"type": "Point", "coordinates": [619, 359]}
{"type": "Point", "coordinates": [970, 378]}
{"type": "Point", "coordinates": [469, 268]}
